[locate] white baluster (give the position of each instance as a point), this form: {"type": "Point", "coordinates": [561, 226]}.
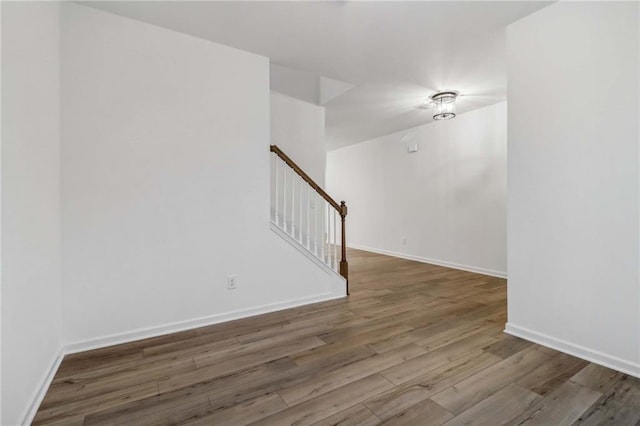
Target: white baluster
{"type": "Point", "coordinates": [277, 184]}
{"type": "Point", "coordinates": [293, 204]}
{"type": "Point", "coordinates": [300, 186]}
{"type": "Point", "coordinates": [314, 215]}
{"type": "Point", "coordinates": [284, 197]}
{"type": "Point", "coordinates": [328, 235]}
{"type": "Point", "coordinates": [321, 229]}
{"type": "Point", "coordinates": [308, 203]}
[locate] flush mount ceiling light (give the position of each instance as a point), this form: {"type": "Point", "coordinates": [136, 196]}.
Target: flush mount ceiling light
{"type": "Point", "coordinates": [445, 104]}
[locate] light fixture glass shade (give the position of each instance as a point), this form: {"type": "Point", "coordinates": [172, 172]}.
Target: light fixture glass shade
{"type": "Point", "coordinates": [445, 105]}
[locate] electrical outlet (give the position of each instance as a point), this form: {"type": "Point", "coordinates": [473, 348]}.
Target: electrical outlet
{"type": "Point", "coordinates": [232, 282]}
{"type": "Point", "coordinates": [404, 241]}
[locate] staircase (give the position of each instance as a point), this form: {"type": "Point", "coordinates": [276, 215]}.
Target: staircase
{"type": "Point", "coordinates": [305, 214]}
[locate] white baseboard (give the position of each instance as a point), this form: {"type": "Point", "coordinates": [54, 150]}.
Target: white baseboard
{"type": "Point", "coordinates": [609, 361]}
{"type": "Point", "coordinates": [36, 400]}
{"type": "Point", "coordinates": [145, 333]}
{"type": "Point", "coordinates": [453, 265]}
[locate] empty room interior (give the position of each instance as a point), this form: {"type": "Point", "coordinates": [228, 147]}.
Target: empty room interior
{"type": "Point", "coordinates": [320, 213]}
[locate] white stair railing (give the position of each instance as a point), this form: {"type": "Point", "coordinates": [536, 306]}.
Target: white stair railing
{"type": "Point", "coordinates": [306, 213]}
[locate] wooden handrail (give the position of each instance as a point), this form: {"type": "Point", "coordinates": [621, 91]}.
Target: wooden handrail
{"type": "Point", "coordinates": [341, 208]}
{"type": "Point", "coordinates": [305, 176]}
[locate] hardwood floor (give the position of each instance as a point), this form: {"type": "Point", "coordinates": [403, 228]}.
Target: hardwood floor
{"type": "Point", "coordinates": [414, 344]}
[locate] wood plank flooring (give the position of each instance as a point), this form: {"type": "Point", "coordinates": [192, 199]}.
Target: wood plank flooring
{"type": "Point", "coordinates": [414, 344]}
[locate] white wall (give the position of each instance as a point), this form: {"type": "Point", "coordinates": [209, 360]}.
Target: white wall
{"type": "Point", "coordinates": [30, 201]}
{"type": "Point", "coordinates": [296, 83]}
{"type": "Point", "coordinates": [573, 180]}
{"type": "Point", "coordinates": [297, 127]}
{"type": "Point", "coordinates": [448, 199]}
{"type": "Point", "coordinates": [166, 183]}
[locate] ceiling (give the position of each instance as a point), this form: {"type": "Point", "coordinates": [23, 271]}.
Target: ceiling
{"type": "Point", "coordinates": [395, 54]}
